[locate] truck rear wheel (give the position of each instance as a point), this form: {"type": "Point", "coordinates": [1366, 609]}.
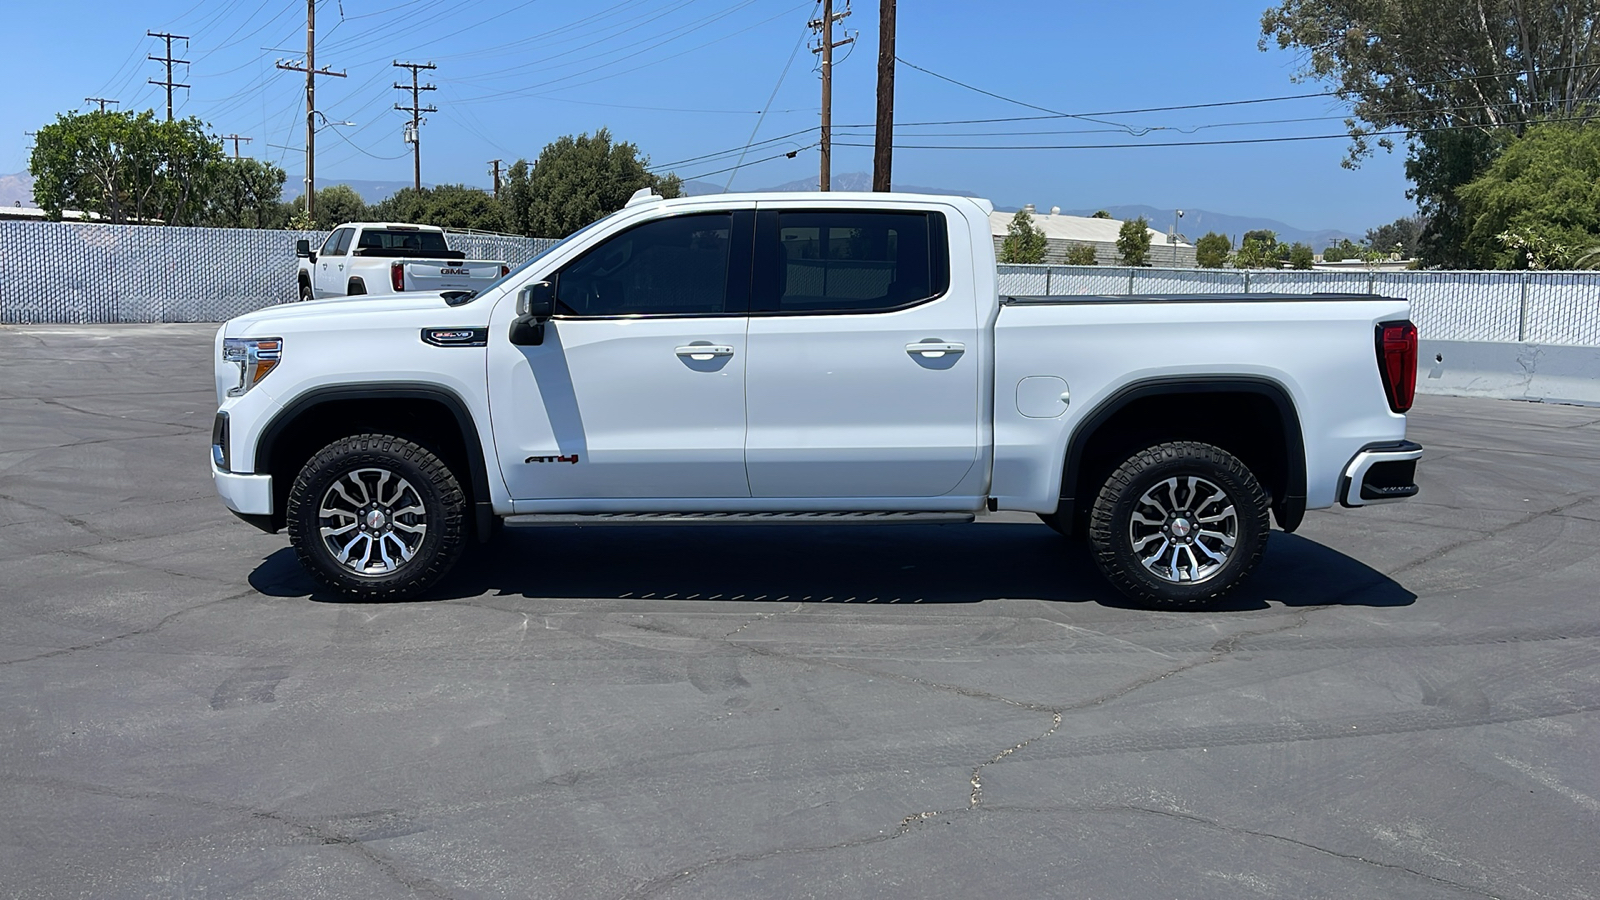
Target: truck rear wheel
{"type": "Point", "coordinates": [377, 517]}
{"type": "Point", "coordinates": [1179, 525]}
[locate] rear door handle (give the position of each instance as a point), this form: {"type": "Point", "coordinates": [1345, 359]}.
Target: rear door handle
{"type": "Point", "coordinates": [704, 351]}
{"type": "Point", "coordinates": [935, 349]}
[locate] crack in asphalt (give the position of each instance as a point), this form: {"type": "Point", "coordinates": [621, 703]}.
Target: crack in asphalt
{"type": "Point", "coordinates": [322, 832]}
{"type": "Point", "coordinates": [1528, 519]}
{"type": "Point", "coordinates": [54, 401]}
{"type": "Point", "coordinates": [1240, 830]}
{"type": "Point", "coordinates": [116, 440]}
{"type": "Point", "coordinates": [137, 632]}
{"type": "Point", "coordinates": [1219, 651]}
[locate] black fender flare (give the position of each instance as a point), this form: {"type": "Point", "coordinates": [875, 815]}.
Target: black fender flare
{"type": "Point", "coordinates": [482, 503]}
{"type": "Point", "coordinates": [1289, 509]}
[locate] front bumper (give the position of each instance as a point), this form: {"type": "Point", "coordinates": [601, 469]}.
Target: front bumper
{"type": "Point", "coordinates": [247, 495]}
{"type": "Point", "coordinates": [1381, 473]}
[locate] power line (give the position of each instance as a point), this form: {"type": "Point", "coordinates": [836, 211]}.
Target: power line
{"type": "Point", "coordinates": [414, 130]}
{"type": "Point", "coordinates": [236, 139]}
{"type": "Point", "coordinates": [774, 95]}
{"type": "Point", "coordinates": [169, 84]}
{"type": "Point", "coordinates": [311, 70]}
{"type": "Point", "coordinates": [825, 46]}
{"type": "Point", "coordinates": [1221, 143]}
{"type": "Point", "coordinates": [100, 100]}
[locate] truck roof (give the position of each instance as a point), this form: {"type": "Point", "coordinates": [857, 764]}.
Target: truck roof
{"type": "Point", "coordinates": [394, 226]}
{"type": "Point", "coordinates": [865, 198]}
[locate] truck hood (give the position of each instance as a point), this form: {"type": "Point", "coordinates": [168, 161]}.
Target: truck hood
{"type": "Point", "coordinates": [311, 310]}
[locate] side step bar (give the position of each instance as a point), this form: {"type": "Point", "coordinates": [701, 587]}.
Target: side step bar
{"type": "Point", "coordinates": [740, 518]}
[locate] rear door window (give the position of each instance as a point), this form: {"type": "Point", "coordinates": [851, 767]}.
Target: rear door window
{"type": "Point", "coordinates": [849, 261]}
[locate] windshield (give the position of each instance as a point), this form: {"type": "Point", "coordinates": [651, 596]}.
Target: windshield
{"type": "Point", "coordinates": [402, 239]}
{"type": "Point", "coordinates": [514, 274]}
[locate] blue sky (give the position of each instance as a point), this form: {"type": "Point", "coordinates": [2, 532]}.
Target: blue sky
{"type": "Point", "coordinates": [687, 78]}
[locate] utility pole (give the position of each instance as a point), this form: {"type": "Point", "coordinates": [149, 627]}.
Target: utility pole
{"type": "Point", "coordinates": [169, 84]}
{"type": "Point", "coordinates": [496, 164]}
{"type": "Point", "coordinates": [883, 142]}
{"type": "Point", "coordinates": [100, 100]}
{"type": "Point", "coordinates": [311, 70]}
{"type": "Point", "coordinates": [824, 27]}
{"type": "Point", "coordinates": [413, 131]}
{"type": "Point", "coordinates": [236, 139]}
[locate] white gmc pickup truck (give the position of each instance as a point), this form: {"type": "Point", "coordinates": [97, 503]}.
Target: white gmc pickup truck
{"type": "Point", "coordinates": [825, 357]}
{"type": "Point", "coordinates": [385, 257]}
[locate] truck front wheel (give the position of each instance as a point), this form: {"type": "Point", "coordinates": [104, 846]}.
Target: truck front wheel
{"type": "Point", "coordinates": [1179, 525]}
{"type": "Point", "coordinates": [305, 291]}
{"type": "Point", "coordinates": [377, 517]}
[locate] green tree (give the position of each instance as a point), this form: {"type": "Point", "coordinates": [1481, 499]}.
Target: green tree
{"type": "Point", "coordinates": [1025, 242]}
{"type": "Point", "coordinates": [245, 193]}
{"type": "Point", "coordinates": [1080, 255]}
{"type": "Point", "coordinates": [1538, 205]}
{"type": "Point", "coordinates": [336, 205]}
{"type": "Point", "coordinates": [1398, 237]}
{"type": "Point", "coordinates": [575, 181]}
{"type": "Point", "coordinates": [1100, 214]}
{"type": "Point", "coordinates": [1301, 256]}
{"type": "Point", "coordinates": [1133, 242]}
{"type": "Point", "coordinates": [1458, 76]}
{"type": "Point", "coordinates": [1421, 64]}
{"type": "Point", "coordinates": [1345, 249]}
{"type": "Point", "coordinates": [1211, 251]}
{"type": "Point", "coordinates": [448, 206]}
{"type": "Point", "coordinates": [125, 166]}
{"type": "Point", "coordinates": [1259, 252]}
{"type": "Point", "coordinates": [516, 199]}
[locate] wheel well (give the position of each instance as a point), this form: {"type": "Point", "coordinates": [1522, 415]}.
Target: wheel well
{"type": "Point", "coordinates": [1250, 424]}
{"type": "Point", "coordinates": [351, 285]}
{"type": "Point", "coordinates": [290, 441]}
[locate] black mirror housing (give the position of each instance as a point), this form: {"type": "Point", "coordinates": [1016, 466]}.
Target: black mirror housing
{"type": "Point", "coordinates": [302, 248]}
{"type": "Point", "coordinates": [536, 303]}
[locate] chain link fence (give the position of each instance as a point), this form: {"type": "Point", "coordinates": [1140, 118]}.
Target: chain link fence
{"type": "Point", "coordinates": [1534, 307]}
{"type": "Point", "coordinates": [78, 273]}
{"type": "Point", "coordinates": [84, 273]}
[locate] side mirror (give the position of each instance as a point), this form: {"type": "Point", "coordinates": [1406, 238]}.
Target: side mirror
{"type": "Point", "coordinates": [536, 303]}
{"type": "Point", "coordinates": [302, 248]}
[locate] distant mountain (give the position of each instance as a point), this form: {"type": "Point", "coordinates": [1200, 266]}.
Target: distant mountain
{"type": "Point", "coordinates": [16, 190]}
{"type": "Point", "coordinates": [1196, 222]}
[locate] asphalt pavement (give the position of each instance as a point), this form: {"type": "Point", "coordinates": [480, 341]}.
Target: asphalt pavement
{"type": "Point", "coordinates": [1403, 703]}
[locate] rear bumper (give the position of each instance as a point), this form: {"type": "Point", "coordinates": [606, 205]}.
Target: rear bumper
{"type": "Point", "coordinates": [1381, 473]}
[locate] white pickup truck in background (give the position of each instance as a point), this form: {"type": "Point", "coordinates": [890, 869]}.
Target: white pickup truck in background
{"type": "Point", "coordinates": [832, 358]}
{"type": "Point", "coordinates": [384, 257]}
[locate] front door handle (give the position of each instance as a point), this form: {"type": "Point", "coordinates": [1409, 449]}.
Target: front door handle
{"type": "Point", "coordinates": [704, 352]}
{"type": "Point", "coordinates": [935, 349]}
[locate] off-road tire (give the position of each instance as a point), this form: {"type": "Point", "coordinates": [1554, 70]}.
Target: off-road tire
{"type": "Point", "coordinates": [355, 288]}
{"type": "Point", "coordinates": [1141, 487]}
{"type": "Point", "coordinates": [410, 466]}
{"type": "Point", "coordinates": [305, 291]}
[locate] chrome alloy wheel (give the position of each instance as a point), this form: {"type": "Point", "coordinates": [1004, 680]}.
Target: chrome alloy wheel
{"type": "Point", "coordinates": [372, 521]}
{"type": "Point", "coordinates": [1183, 529]}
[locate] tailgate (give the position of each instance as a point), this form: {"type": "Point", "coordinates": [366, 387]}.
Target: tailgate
{"type": "Point", "coordinates": [450, 275]}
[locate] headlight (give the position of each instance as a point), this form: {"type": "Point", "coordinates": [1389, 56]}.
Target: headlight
{"type": "Point", "coordinates": [255, 357]}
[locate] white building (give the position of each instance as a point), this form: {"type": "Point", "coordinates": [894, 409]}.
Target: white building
{"type": "Point", "coordinates": [1062, 232]}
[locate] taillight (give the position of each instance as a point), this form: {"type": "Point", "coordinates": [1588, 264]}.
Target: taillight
{"type": "Point", "coordinates": [1397, 363]}
{"type": "Point", "coordinates": [505, 270]}
{"type": "Point", "coordinates": [397, 276]}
